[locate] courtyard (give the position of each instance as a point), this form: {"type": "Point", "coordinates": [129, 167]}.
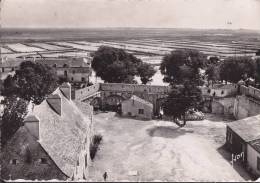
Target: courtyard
{"type": "Point", "coordinates": [153, 150]}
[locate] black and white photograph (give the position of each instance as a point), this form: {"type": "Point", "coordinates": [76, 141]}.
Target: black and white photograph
{"type": "Point", "coordinates": [130, 90]}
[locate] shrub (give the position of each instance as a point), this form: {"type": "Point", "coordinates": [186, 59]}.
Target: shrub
{"type": "Point", "coordinates": [94, 146]}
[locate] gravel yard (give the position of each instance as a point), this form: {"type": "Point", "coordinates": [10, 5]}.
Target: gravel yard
{"type": "Point", "coordinates": [138, 150]}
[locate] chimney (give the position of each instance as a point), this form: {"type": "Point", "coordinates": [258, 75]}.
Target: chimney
{"type": "Point", "coordinates": [32, 123]}
{"type": "Point", "coordinates": [65, 89]}
{"type": "Point", "coordinates": [54, 100]}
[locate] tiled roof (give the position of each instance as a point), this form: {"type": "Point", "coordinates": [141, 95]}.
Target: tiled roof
{"type": "Point", "coordinates": [31, 118]}
{"type": "Point", "coordinates": [62, 136]}
{"type": "Point", "coordinates": [248, 129]}
{"type": "Point", "coordinates": [135, 98]}
{"type": "Point", "coordinates": [60, 62]}
{"type": "Point", "coordinates": [16, 149]}
{"type": "Point", "coordinates": [70, 62]}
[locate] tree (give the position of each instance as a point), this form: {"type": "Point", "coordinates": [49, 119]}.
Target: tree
{"type": "Point", "coordinates": [181, 99]}
{"type": "Point", "coordinates": [32, 82]}
{"type": "Point", "coordinates": [257, 71]}
{"type": "Point", "coordinates": [233, 69]}
{"type": "Point", "coordinates": [15, 109]}
{"type": "Point", "coordinates": [146, 72]}
{"type": "Point", "coordinates": [212, 73]}
{"type": "Point", "coordinates": [181, 65]}
{"type": "Point", "coordinates": [117, 66]}
{"type": "Point", "coordinates": [213, 60]}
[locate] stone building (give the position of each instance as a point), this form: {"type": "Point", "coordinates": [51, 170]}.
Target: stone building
{"type": "Point", "coordinates": [137, 107]}
{"type": "Point", "coordinates": [75, 70]}
{"type": "Point", "coordinates": [8, 66]}
{"type": "Point", "coordinates": [53, 143]}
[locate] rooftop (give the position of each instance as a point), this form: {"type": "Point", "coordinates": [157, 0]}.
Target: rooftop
{"type": "Point", "coordinates": [61, 136]}
{"type": "Point", "coordinates": [60, 62]}
{"type": "Point", "coordinates": [248, 129]}
{"type": "Point", "coordinates": [135, 98]}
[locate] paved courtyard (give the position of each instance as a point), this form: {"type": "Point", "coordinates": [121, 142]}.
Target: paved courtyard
{"type": "Point", "coordinates": [138, 150]}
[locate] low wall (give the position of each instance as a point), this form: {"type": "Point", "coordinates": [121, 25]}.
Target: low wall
{"type": "Point", "coordinates": [245, 107]}
{"type": "Point", "coordinates": [85, 92]}
{"type": "Point", "coordinates": [250, 91]}
{"type": "Point", "coordinates": [133, 88]}
{"type": "Point", "coordinates": [221, 91]}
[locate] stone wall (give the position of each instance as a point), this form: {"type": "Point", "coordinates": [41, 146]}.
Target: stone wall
{"type": "Point", "coordinates": [134, 88]}
{"type": "Point", "coordinates": [220, 91]}
{"type": "Point", "coordinates": [250, 91]}
{"type": "Point", "coordinates": [248, 103]}
{"type": "Point", "coordinates": [83, 93]}
{"type": "Point", "coordinates": [223, 106]}
{"type": "Point", "coordinates": [245, 107]}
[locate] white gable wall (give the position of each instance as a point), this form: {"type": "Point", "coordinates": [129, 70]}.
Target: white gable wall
{"type": "Point", "coordinates": [133, 106]}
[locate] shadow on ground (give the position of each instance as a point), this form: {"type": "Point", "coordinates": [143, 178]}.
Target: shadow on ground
{"type": "Point", "coordinates": [238, 166]}
{"type": "Point", "coordinates": [167, 131]}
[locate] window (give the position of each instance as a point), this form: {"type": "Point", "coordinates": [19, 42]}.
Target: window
{"type": "Point", "coordinates": [13, 161]}
{"type": "Point", "coordinates": [65, 65]}
{"type": "Point", "coordinates": [222, 92]}
{"type": "Point", "coordinates": [43, 161]}
{"type": "Point", "coordinates": [78, 163]}
{"type": "Point", "coordinates": [141, 111]}
{"type": "Point", "coordinates": [229, 137]}
{"type": "Point", "coordinates": [54, 65]}
{"type": "Point", "coordinates": [83, 79]}
{"type": "Point", "coordinates": [258, 163]}
{"type": "Point", "coordinates": [3, 69]}
{"type": "Point", "coordinates": [65, 73]}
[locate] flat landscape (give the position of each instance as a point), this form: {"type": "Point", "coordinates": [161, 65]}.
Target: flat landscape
{"type": "Point", "coordinates": [148, 44]}
{"type": "Point", "coordinates": [138, 150]}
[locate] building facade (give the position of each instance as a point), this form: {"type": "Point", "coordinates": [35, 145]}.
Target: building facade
{"type": "Point", "coordinates": [75, 70]}
{"type": "Point", "coordinates": [137, 107]}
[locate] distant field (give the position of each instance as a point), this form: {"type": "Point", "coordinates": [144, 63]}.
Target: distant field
{"type": "Point", "coordinates": [148, 44]}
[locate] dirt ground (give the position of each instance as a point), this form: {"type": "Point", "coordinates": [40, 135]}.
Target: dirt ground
{"type": "Point", "coordinates": [138, 150]}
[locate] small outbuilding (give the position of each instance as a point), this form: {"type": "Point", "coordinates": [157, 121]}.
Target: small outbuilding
{"type": "Point", "coordinates": [243, 138]}
{"type": "Point", "coordinates": [137, 107]}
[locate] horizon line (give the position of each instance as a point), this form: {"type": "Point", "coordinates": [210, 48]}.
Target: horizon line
{"type": "Point", "coordinates": [131, 27]}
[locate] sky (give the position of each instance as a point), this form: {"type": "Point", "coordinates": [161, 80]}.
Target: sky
{"type": "Point", "coordinates": [203, 14]}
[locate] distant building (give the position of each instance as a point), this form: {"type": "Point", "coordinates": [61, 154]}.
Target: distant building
{"type": "Point", "coordinates": [53, 143]}
{"type": "Point", "coordinates": [220, 90]}
{"type": "Point", "coordinates": [9, 66]}
{"type": "Point", "coordinates": [137, 107]}
{"type": "Point", "coordinates": [243, 138]}
{"type": "Point", "coordinates": [75, 70]}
